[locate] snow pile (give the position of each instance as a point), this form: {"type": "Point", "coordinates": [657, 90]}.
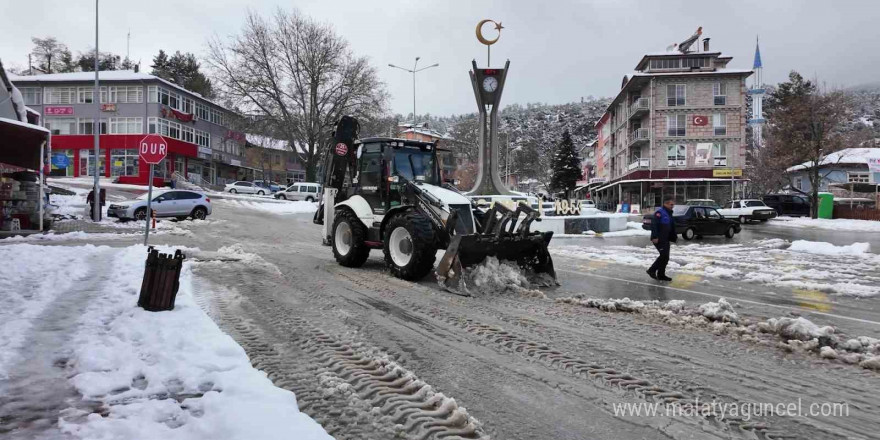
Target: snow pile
{"type": "Point", "coordinates": [493, 276]}
{"type": "Point", "coordinates": [790, 334]}
{"type": "Point", "coordinates": [633, 229]}
{"type": "Point", "coordinates": [798, 328]}
{"type": "Point", "coordinates": [719, 311]}
{"type": "Point", "coordinates": [273, 207]}
{"type": "Point", "coordinates": [29, 281]}
{"type": "Point", "coordinates": [170, 375]}
{"type": "Point", "coordinates": [839, 224]}
{"type": "Point", "coordinates": [822, 248]}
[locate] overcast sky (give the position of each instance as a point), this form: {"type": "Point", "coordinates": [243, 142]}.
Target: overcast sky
{"type": "Point", "coordinates": [559, 50]}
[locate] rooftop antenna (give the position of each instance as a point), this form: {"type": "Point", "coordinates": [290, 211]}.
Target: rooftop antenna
{"type": "Point", "coordinates": [128, 45]}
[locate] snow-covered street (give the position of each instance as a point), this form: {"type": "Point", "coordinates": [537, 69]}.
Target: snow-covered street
{"type": "Point", "coordinates": [755, 319]}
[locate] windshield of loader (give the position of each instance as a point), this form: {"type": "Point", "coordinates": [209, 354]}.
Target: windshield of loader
{"type": "Point", "coordinates": [412, 162]}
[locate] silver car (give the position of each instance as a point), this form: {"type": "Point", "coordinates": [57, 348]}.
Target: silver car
{"type": "Point", "coordinates": [243, 187]}
{"type": "Point", "coordinates": [309, 192]}
{"type": "Point", "coordinates": [170, 203]}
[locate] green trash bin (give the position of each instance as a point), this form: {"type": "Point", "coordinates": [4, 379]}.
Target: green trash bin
{"type": "Point", "coordinates": [826, 205]}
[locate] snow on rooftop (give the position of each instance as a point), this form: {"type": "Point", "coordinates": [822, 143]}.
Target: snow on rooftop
{"type": "Point", "coordinates": [848, 156]}
{"type": "Point", "coordinates": [104, 75]}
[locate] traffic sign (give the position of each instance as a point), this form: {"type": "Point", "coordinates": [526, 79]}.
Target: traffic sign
{"type": "Point", "coordinates": [152, 149]}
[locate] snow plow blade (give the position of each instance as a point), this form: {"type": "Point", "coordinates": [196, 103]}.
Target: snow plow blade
{"type": "Point", "coordinates": [499, 240]}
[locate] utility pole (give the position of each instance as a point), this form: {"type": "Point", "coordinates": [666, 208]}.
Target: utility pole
{"type": "Point", "coordinates": [96, 98]}
{"type": "Point", "coordinates": [413, 71]}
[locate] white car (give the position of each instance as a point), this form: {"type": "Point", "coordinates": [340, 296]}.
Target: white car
{"type": "Point", "coordinates": [748, 210]}
{"type": "Point", "coordinates": [310, 192]}
{"type": "Point", "coordinates": [171, 203]}
{"type": "Point", "coordinates": [243, 187]}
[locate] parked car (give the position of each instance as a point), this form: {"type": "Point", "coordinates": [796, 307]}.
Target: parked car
{"type": "Point", "coordinates": [173, 203]}
{"type": "Point", "coordinates": [270, 185]}
{"type": "Point", "coordinates": [245, 188]}
{"type": "Point", "coordinates": [703, 202]}
{"type": "Point", "coordinates": [697, 221]}
{"type": "Point", "coordinates": [309, 192]}
{"type": "Point", "coordinates": [587, 204]}
{"type": "Point", "coordinates": [748, 210]}
{"type": "Point", "coordinates": [788, 204]}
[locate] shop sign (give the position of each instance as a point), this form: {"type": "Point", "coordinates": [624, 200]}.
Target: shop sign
{"type": "Point", "coordinates": [235, 135]}
{"type": "Point", "coordinates": [60, 161]}
{"type": "Point", "coordinates": [701, 155]}
{"type": "Point", "coordinates": [874, 164]}
{"type": "Point", "coordinates": [58, 110]}
{"type": "Point", "coordinates": [108, 107]}
{"type": "Point", "coordinates": [737, 172]}
{"type": "Point", "coordinates": [567, 207]}
{"type": "Point", "coordinates": [235, 162]}
{"type": "Point", "coordinates": [205, 150]}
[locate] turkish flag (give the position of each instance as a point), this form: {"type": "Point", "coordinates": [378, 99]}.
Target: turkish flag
{"type": "Point", "coordinates": [699, 120]}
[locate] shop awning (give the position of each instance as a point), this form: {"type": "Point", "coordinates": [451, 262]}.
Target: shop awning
{"type": "Point", "coordinates": [681, 180]}
{"type": "Point", "coordinates": [20, 143]}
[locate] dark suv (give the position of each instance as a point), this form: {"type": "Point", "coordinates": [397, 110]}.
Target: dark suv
{"type": "Point", "coordinates": [788, 204]}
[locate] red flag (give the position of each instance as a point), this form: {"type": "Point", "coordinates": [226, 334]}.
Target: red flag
{"type": "Point", "coordinates": [699, 120]}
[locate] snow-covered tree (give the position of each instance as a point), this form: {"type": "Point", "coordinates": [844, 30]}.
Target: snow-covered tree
{"type": "Point", "coordinates": [566, 165]}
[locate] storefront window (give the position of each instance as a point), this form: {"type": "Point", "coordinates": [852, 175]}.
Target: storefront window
{"type": "Point", "coordinates": [124, 162]}
{"type": "Point", "coordinates": [87, 161]}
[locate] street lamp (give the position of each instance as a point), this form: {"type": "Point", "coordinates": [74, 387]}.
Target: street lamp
{"type": "Point", "coordinates": [414, 70]}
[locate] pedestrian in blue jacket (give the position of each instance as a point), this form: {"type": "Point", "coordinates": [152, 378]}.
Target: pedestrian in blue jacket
{"type": "Point", "coordinates": [662, 234]}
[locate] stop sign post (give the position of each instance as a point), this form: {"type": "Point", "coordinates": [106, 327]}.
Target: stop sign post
{"type": "Point", "coordinates": [151, 149]}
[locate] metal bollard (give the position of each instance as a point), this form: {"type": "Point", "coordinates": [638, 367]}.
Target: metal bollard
{"type": "Point", "coordinates": [161, 280]}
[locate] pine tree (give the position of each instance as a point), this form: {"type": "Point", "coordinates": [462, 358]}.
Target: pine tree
{"type": "Point", "coordinates": [566, 166]}
{"type": "Point", "coordinates": [183, 70]}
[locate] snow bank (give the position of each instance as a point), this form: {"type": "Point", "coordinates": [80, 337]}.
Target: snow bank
{"type": "Point", "coordinates": [839, 224]}
{"type": "Point", "coordinates": [170, 375]}
{"type": "Point", "coordinates": [633, 229]}
{"type": "Point", "coordinates": [790, 334]}
{"type": "Point", "coordinates": [822, 248]}
{"type": "Point", "coordinates": [273, 207]}
{"type": "Point", "coordinates": [29, 280]}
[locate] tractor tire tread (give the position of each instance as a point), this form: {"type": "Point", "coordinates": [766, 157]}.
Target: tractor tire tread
{"type": "Point", "coordinates": [359, 250]}
{"type": "Point", "coordinates": [424, 246]}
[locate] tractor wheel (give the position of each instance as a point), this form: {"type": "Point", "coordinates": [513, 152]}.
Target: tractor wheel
{"type": "Point", "coordinates": [410, 247]}
{"type": "Point", "coordinates": [349, 235]}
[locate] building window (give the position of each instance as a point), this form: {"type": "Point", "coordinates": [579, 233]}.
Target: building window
{"type": "Point", "coordinates": [187, 134]}
{"type": "Point", "coordinates": [127, 94]}
{"type": "Point", "coordinates": [858, 177]}
{"type": "Point", "coordinates": [32, 95]}
{"type": "Point", "coordinates": [799, 183]}
{"type": "Point", "coordinates": [86, 126]}
{"type": "Point", "coordinates": [719, 93]}
{"type": "Point", "coordinates": [152, 94]}
{"type": "Point", "coordinates": [61, 126]}
{"type": "Point", "coordinates": [85, 95]}
{"type": "Point", "coordinates": [202, 112]}
{"type": "Point", "coordinates": [676, 125]}
{"type": "Point", "coordinates": [676, 155]}
{"type": "Point", "coordinates": [719, 123]}
{"type": "Point", "coordinates": [203, 139]}
{"type": "Point", "coordinates": [59, 95]}
{"type": "Point", "coordinates": [719, 154]}
{"type": "Point", "coordinates": [695, 62]}
{"type": "Point", "coordinates": [675, 95]}
{"type": "Point", "coordinates": [124, 162]}
{"type": "Point", "coordinates": [126, 125]}
{"type": "Point", "coordinates": [667, 63]}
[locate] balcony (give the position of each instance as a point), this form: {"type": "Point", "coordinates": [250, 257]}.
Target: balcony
{"type": "Point", "coordinates": [720, 161]}
{"type": "Point", "coordinates": [639, 107]}
{"type": "Point", "coordinates": [639, 163]}
{"type": "Point", "coordinates": [638, 136]}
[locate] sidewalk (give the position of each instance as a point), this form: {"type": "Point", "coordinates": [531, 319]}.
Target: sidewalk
{"type": "Point", "coordinates": [79, 359]}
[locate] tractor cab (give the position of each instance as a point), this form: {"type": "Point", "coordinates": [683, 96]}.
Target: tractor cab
{"type": "Point", "coordinates": [384, 164]}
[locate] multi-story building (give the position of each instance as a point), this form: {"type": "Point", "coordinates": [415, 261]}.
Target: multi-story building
{"type": "Point", "coordinates": [273, 159]}
{"type": "Point", "coordinates": [677, 128]}
{"type": "Point", "coordinates": [202, 144]}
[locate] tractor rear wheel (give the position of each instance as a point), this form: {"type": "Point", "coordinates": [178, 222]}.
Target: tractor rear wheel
{"type": "Point", "coordinates": [349, 235]}
{"type": "Point", "coordinates": [410, 247]}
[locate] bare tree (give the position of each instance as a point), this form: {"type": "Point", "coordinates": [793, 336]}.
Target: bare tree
{"type": "Point", "coordinates": [805, 127]}
{"type": "Point", "coordinates": [299, 74]}
{"type": "Point", "coordinates": [50, 56]}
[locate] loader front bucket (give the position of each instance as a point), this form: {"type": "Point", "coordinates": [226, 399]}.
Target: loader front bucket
{"type": "Point", "coordinates": [529, 251]}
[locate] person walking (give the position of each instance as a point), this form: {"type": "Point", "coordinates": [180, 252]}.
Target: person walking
{"type": "Point", "coordinates": [662, 235]}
